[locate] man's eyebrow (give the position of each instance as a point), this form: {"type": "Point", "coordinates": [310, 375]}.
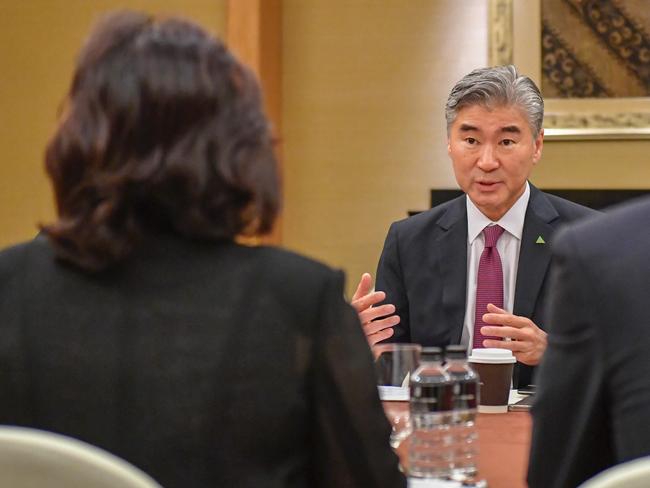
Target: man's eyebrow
{"type": "Point", "coordinates": [511, 128]}
{"type": "Point", "coordinates": [468, 127]}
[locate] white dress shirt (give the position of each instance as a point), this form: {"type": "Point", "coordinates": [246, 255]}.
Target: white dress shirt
{"type": "Point", "coordinates": [508, 246]}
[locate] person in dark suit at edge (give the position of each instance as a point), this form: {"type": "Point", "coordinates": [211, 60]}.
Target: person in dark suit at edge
{"type": "Point", "coordinates": [591, 409]}
{"type": "Point", "coordinates": [427, 273]}
{"type": "Point", "coordinates": [136, 323]}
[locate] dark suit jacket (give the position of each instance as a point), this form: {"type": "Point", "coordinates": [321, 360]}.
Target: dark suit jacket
{"type": "Point", "coordinates": [593, 404]}
{"type": "Point", "coordinates": [423, 269]}
{"type": "Point", "coordinates": [206, 365]}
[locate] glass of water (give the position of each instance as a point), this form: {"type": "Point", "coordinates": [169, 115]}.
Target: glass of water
{"type": "Point", "coordinates": [394, 364]}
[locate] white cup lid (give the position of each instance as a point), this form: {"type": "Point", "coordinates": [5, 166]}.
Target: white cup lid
{"type": "Point", "coordinates": [491, 355]}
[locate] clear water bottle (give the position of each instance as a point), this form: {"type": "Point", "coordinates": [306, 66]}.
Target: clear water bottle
{"type": "Point", "coordinates": [431, 409]}
{"type": "Point", "coordinates": [463, 434]}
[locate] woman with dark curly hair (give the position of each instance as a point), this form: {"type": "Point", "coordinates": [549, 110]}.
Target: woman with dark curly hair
{"type": "Point", "coordinates": [136, 323]}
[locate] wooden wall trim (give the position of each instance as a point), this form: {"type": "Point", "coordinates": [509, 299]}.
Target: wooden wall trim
{"type": "Point", "coordinates": [254, 34]}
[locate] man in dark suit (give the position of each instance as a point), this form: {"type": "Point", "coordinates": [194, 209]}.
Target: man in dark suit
{"type": "Point", "coordinates": [592, 407]}
{"type": "Point", "coordinates": [428, 271]}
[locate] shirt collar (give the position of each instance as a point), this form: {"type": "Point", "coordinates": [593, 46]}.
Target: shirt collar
{"type": "Point", "coordinates": [512, 221]}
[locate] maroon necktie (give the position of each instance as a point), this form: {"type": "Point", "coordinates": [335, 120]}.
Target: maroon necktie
{"type": "Point", "coordinates": [489, 284]}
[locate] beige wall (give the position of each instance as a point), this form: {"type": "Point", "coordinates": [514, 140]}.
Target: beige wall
{"type": "Point", "coordinates": [38, 43]}
{"type": "Point", "coordinates": [365, 83]}
{"type": "Point", "coordinates": [594, 164]}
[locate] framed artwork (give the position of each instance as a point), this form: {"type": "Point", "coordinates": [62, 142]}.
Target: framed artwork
{"type": "Point", "coordinates": [590, 58]}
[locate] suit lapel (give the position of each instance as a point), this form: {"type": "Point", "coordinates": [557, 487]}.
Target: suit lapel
{"type": "Point", "coordinates": [453, 266]}
{"type": "Point", "coordinates": [534, 256]}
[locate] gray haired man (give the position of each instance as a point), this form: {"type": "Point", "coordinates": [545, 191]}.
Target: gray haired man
{"type": "Point", "coordinates": [444, 275]}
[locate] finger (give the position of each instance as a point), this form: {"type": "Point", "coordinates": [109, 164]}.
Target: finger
{"type": "Point", "coordinates": [379, 336]}
{"type": "Point", "coordinates": [506, 319]}
{"type": "Point", "coordinates": [368, 300]}
{"type": "Point", "coordinates": [364, 287]}
{"type": "Point", "coordinates": [491, 307]}
{"type": "Point", "coordinates": [514, 346]}
{"type": "Point", "coordinates": [380, 325]}
{"type": "Point", "coordinates": [498, 331]}
{"type": "Point", "coordinates": [370, 314]}
{"type": "Point", "coordinates": [504, 331]}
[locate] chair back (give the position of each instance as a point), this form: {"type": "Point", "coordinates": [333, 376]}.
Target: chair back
{"type": "Point", "coordinates": [633, 474]}
{"type": "Point", "coordinates": [31, 458]}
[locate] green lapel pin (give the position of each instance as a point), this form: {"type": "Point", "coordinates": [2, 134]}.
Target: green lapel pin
{"type": "Point", "coordinates": [540, 240]}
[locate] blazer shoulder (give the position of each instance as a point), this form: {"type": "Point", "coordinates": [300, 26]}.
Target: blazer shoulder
{"type": "Point", "coordinates": [444, 214]}
{"type": "Point", "coordinates": [622, 226]}
{"type": "Point", "coordinates": [14, 259]}
{"type": "Point", "coordinates": [22, 268]}
{"type": "Point", "coordinates": [293, 274]}
{"type": "Point", "coordinates": [569, 210]}
{"type": "Point", "coordinates": [291, 263]}
{"type": "Point", "coordinates": [304, 290]}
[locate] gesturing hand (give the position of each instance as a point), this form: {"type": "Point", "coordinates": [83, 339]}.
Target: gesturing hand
{"type": "Point", "coordinates": [377, 322]}
{"type": "Point", "coordinates": [528, 342]}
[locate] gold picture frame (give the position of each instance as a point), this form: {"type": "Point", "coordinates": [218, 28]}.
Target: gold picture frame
{"type": "Point", "coordinates": [514, 37]}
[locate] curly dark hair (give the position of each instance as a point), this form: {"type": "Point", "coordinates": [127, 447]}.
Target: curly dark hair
{"type": "Point", "coordinates": [162, 131]}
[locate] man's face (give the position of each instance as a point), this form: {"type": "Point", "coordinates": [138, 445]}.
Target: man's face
{"type": "Point", "coordinates": [493, 152]}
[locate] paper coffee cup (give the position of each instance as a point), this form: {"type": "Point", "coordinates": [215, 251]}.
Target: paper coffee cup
{"type": "Point", "coordinates": [494, 367]}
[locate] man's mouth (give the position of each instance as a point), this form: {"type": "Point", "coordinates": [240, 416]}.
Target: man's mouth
{"type": "Point", "coordinates": [487, 185]}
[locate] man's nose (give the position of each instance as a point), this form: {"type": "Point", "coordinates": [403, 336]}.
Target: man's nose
{"type": "Point", "coordinates": [488, 160]}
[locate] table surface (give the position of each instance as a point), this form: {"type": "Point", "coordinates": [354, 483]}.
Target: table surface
{"type": "Point", "coordinates": [503, 444]}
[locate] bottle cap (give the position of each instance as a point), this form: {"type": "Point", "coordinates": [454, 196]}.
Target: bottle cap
{"type": "Point", "coordinates": [457, 351]}
{"type": "Point", "coordinates": [431, 354]}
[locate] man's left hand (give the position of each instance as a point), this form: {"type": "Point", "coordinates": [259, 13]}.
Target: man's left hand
{"type": "Point", "coordinates": [528, 342]}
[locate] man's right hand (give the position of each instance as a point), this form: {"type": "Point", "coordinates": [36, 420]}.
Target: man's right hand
{"type": "Point", "coordinates": [377, 322]}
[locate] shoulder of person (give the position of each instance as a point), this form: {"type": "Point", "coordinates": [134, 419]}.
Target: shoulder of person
{"type": "Point", "coordinates": [292, 268]}
{"type": "Point", "coordinates": [629, 222]}
{"type": "Point", "coordinates": [20, 267]}
{"type": "Point", "coordinates": [302, 283]}
{"type": "Point", "coordinates": [14, 257]}
{"type": "Point", "coordinates": [291, 260]}
{"type": "Point", "coordinates": [425, 219]}
{"type": "Point", "coordinates": [568, 209]}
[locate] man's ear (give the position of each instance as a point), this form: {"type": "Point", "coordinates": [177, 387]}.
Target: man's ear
{"type": "Point", "coordinates": [539, 144]}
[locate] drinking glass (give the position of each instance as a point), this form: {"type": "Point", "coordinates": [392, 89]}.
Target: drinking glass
{"type": "Point", "coordinates": [394, 364]}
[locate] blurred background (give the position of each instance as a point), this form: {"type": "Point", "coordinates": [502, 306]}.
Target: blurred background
{"type": "Point", "coordinates": [356, 90]}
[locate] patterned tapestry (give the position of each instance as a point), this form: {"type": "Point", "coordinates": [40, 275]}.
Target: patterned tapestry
{"type": "Point", "coordinates": [595, 48]}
